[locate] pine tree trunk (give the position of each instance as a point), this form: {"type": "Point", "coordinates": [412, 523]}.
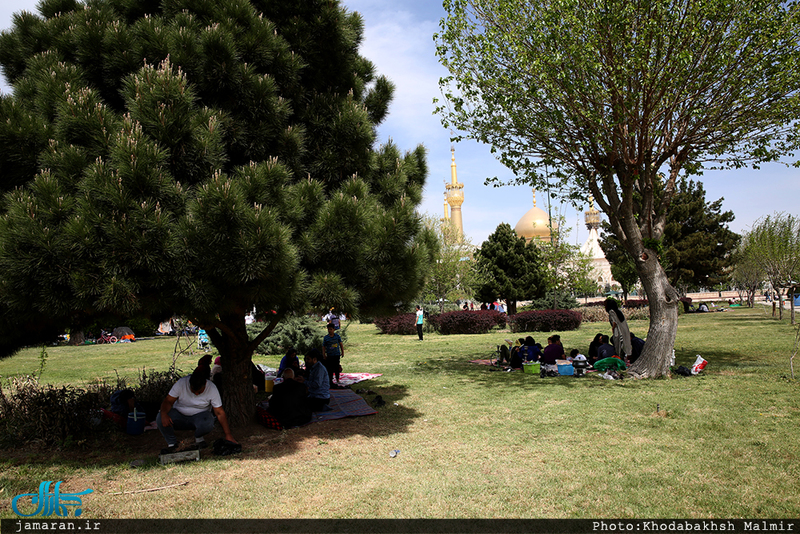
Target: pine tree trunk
{"type": "Point", "coordinates": [663, 300]}
{"type": "Point", "coordinates": [238, 397]}
{"type": "Point", "coordinates": [236, 352]}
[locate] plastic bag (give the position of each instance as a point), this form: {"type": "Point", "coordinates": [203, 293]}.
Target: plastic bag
{"type": "Point", "coordinates": [699, 365]}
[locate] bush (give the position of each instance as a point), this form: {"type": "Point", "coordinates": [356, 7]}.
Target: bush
{"type": "Point", "coordinates": [546, 321]}
{"type": "Point", "coordinates": [498, 318]}
{"type": "Point", "coordinates": [594, 314]}
{"type": "Point", "coordinates": [303, 333]}
{"type": "Point", "coordinates": [32, 412]}
{"type": "Point", "coordinates": [467, 322]}
{"type": "Point", "coordinates": [403, 324]}
{"type": "Point", "coordinates": [563, 302]}
{"type": "Point", "coordinates": [141, 326]}
{"type": "Point", "coordinates": [153, 387]}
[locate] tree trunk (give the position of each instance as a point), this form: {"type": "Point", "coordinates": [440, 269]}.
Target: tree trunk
{"type": "Point", "coordinates": [76, 337]}
{"type": "Point", "coordinates": [511, 307]}
{"type": "Point", "coordinates": [228, 333]}
{"type": "Point", "coordinates": [229, 336]}
{"type": "Point", "coordinates": [663, 300]}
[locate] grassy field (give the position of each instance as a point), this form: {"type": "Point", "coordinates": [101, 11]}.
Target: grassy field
{"type": "Point", "coordinates": [473, 443]}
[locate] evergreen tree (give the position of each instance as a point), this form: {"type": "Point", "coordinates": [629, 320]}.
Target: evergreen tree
{"type": "Point", "coordinates": [200, 158]}
{"type": "Point", "coordinates": [511, 269]}
{"type": "Point", "coordinates": [697, 247]}
{"type": "Point", "coordinates": [698, 244]}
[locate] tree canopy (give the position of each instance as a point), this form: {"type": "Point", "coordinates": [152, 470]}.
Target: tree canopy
{"type": "Point", "coordinates": [201, 158]}
{"type": "Point", "coordinates": [773, 244]}
{"type": "Point", "coordinates": [696, 251]}
{"type": "Point", "coordinates": [619, 99]}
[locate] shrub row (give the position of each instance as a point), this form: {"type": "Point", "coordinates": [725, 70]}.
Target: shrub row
{"type": "Point", "coordinates": [454, 322]}
{"type": "Point", "coordinates": [545, 321]}
{"type": "Point", "coordinates": [468, 322]}
{"type": "Point", "coordinates": [403, 324]}
{"type": "Point", "coordinates": [593, 314]}
{"type": "Point", "coordinates": [32, 412]}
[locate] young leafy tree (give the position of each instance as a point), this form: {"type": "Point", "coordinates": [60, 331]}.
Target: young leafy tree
{"type": "Point", "coordinates": [201, 158]}
{"type": "Point", "coordinates": [746, 273]}
{"type": "Point", "coordinates": [452, 275]}
{"type": "Point", "coordinates": [511, 269]}
{"type": "Point", "coordinates": [621, 98]}
{"type": "Point", "coordinates": [774, 244]}
{"type": "Point", "coordinates": [565, 268]}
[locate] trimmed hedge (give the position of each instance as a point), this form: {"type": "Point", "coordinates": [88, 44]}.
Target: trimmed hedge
{"type": "Point", "coordinates": [468, 322]}
{"type": "Point", "coordinates": [593, 314]}
{"type": "Point", "coordinates": [546, 321]}
{"type": "Point", "coordinates": [403, 324]}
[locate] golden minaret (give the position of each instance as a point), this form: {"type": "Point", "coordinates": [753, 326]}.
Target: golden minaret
{"type": "Point", "coordinates": [454, 193]}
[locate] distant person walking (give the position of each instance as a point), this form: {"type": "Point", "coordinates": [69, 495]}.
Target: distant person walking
{"type": "Point", "coordinates": [420, 320]}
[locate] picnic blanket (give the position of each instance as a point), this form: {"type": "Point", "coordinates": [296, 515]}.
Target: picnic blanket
{"type": "Point", "coordinates": [348, 379]}
{"type": "Point", "coordinates": [345, 403]}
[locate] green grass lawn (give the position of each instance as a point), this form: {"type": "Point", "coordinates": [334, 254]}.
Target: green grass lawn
{"type": "Point", "coordinates": [473, 443]}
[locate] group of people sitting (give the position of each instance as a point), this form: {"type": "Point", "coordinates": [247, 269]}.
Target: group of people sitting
{"type": "Point", "coordinates": [195, 401]}
{"type": "Point", "coordinates": [304, 390]}
{"type": "Point", "coordinates": [622, 344]}
{"type": "Point", "coordinates": [527, 350]}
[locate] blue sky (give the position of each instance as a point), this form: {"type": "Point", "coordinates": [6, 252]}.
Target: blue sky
{"type": "Point", "coordinates": [398, 39]}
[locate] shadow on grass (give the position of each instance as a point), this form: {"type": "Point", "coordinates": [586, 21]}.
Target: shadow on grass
{"type": "Point", "coordinates": [258, 442]}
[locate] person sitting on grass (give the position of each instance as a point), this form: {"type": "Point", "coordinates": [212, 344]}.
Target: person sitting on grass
{"type": "Point", "coordinates": [288, 402]}
{"type": "Point", "coordinates": [592, 355]}
{"type": "Point", "coordinates": [515, 361]}
{"type": "Point", "coordinates": [290, 360]}
{"type": "Point", "coordinates": [530, 351]}
{"type": "Point", "coordinates": [189, 406]}
{"type": "Point", "coordinates": [605, 350]}
{"type": "Point", "coordinates": [553, 351]}
{"type": "Point", "coordinates": [319, 394]}
{"type": "Point", "coordinates": [637, 344]}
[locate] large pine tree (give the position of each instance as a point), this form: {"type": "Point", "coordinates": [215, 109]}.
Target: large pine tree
{"type": "Point", "coordinates": [200, 157]}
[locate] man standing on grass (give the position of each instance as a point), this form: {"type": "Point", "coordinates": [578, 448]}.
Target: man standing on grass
{"type": "Point", "coordinates": [419, 322]}
{"type": "Point", "coordinates": [189, 406]}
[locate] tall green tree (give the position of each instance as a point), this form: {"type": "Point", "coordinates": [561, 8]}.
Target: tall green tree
{"type": "Point", "coordinates": [698, 244]}
{"type": "Point", "coordinates": [511, 269]}
{"type": "Point", "coordinates": [621, 98]}
{"type": "Point", "coordinates": [201, 158]}
{"type": "Point", "coordinates": [453, 274]}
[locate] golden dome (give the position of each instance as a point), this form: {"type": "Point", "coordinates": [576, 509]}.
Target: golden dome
{"type": "Point", "coordinates": [534, 224]}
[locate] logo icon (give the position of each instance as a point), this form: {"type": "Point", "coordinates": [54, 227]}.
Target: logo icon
{"type": "Point", "coordinates": [48, 503]}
